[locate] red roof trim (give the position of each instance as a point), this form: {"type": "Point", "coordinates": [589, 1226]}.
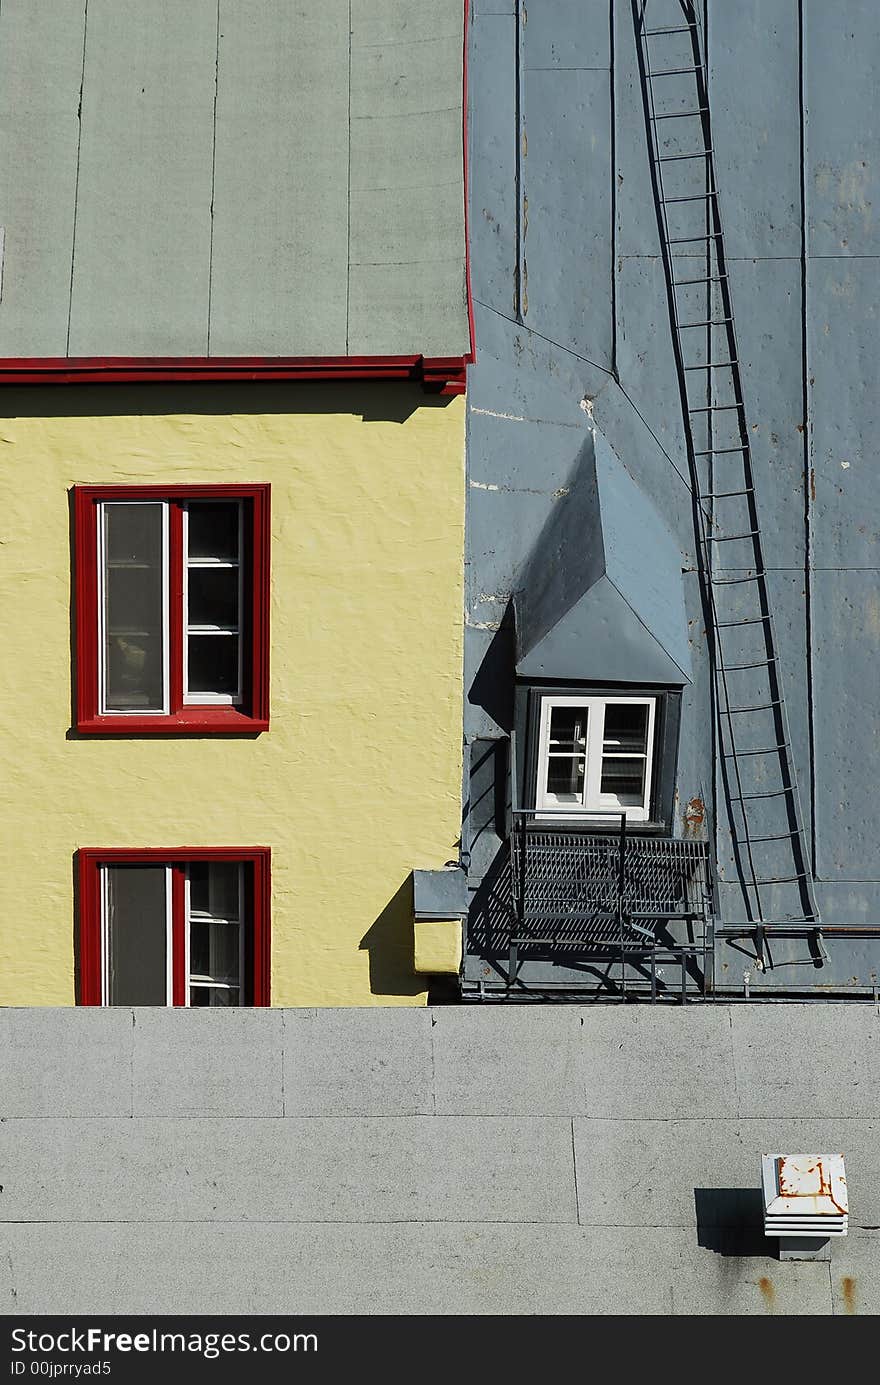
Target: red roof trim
{"type": "Point", "coordinates": [445, 375]}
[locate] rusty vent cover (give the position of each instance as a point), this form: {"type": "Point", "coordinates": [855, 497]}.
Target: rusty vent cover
{"type": "Point", "coordinates": [804, 1195]}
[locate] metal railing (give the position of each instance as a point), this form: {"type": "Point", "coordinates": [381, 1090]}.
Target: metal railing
{"type": "Point", "coordinates": [578, 894]}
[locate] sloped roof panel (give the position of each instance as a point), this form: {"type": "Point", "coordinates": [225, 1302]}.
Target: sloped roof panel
{"type": "Point", "coordinates": [254, 179]}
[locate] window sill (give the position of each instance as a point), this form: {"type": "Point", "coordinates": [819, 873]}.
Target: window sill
{"type": "Point", "coordinates": [193, 721]}
{"type": "Point", "coordinates": [605, 827]}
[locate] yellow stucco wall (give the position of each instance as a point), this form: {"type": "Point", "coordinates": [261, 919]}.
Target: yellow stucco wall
{"type": "Point", "coordinates": [359, 778]}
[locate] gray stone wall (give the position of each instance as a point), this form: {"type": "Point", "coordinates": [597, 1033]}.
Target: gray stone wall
{"type": "Point", "coordinates": [546, 1159]}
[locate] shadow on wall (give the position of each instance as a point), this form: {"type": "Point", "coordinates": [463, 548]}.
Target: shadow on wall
{"type": "Point", "coordinates": [390, 941]}
{"type": "Point", "coordinates": [387, 401]}
{"type": "Point", "coordinates": [730, 1221]}
{"type": "Point", "coordinates": [493, 685]}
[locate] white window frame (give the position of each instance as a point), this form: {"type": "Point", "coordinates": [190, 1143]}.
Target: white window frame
{"type": "Point", "coordinates": [105, 935]}
{"type": "Point", "coordinates": [202, 983]}
{"type": "Point", "coordinates": [103, 709]}
{"type": "Point", "coordinates": [594, 804]}
{"type": "Point", "coordinates": [204, 699]}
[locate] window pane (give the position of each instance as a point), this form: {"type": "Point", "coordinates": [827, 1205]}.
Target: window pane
{"type": "Point", "coordinates": [136, 934]}
{"type": "Point", "coordinates": [134, 672]}
{"type": "Point", "coordinates": [214, 951]}
{"type": "Point", "coordinates": [568, 729]}
{"type": "Point", "coordinates": [565, 778]}
{"type": "Point", "coordinates": [213, 530]}
{"type": "Point", "coordinates": [624, 780]}
{"type": "Point", "coordinates": [133, 600]}
{"type": "Point", "coordinates": [626, 727]}
{"type": "Point", "coordinates": [213, 596]}
{"type": "Point", "coordinates": [213, 664]}
{"type": "Point", "coordinates": [214, 888]}
{"type": "Point", "coordinates": [133, 607]}
{"type": "Point", "coordinates": [133, 533]}
{"type": "Point", "coordinates": [213, 996]}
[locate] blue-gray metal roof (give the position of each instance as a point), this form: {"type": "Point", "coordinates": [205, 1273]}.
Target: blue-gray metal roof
{"type": "Point", "coordinates": [248, 178]}
{"type": "Point", "coordinates": [589, 605]}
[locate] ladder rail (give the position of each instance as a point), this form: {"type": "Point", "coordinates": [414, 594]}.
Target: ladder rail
{"type": "Point", "coordinates": [715, 239]}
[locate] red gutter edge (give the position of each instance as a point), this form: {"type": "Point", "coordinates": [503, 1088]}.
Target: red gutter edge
{"type": "Point", "coordinates": [441, 375]}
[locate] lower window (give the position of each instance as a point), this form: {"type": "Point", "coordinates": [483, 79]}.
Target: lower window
{"type": "Point", "coordinates": [174, 927]}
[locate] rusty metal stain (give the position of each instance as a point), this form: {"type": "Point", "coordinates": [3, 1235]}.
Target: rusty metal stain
{"type": "Point", "coordinates": [768, 1293]}
{"type": "Point", "coordinates": [694, 816]}
{"type": "Point", "coordinates": [848, 1284]}
{"type": "Point", "coordinates": [812, 483]}
{"type": "Point", "coordinates": [811, 1177]}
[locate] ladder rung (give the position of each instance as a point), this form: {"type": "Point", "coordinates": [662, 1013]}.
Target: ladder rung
{"type": "Point", "coordinates": [696, 197]}
{"type": "Point", "coordinates": [778, 837]}
{"type": "Point", "coordinates": [735, 581]}
{"type": "Point", "coordinates": [679, 115]}
{"type": "Point", "coordinates": [763, 707]}
{"type": "Point", "coordinates": [708, 322]}
{"type": "Point", "coordinates": [680, 29]}
{"type": "Point", "coordinates": [712, 279]}
{"type": "Point", "coordinates": [783, 880]}
{"type": "Point", "coordinates": [672, 71]}
{"type": "Point", "coordinates": [718, 451]}
{"type": "Point", "coordinates": [672, 158]}
{"type": "Point", "coordinates": [759, 663]}
{"type": "Point", "coordinates": [727, 495]}
{"type": "Point", "coordinates": [731, 538]}
{"type": "Point", "coordinates": [771, 793]}
{"type": "Point", "coordinates": [691, 240]}
{"type": "Point", "coordinates": [709, 365]}
{"type": "Point", "coordinates": [719, 408]}
{"type": "Point", "coordinates": [762, 750]}
{"type": "Point", "coordinates": [752, 620]}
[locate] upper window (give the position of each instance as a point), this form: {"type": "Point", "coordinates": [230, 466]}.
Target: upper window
{"type": "Point", "coordinates": [595, 756]}
{"type": "Point", "coordinates": [181, 927]}
{"type": "Point", "coordinates": [172, 608]}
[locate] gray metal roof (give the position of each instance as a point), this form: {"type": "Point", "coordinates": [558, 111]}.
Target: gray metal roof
{"type": "Point", "coordinates": [255, 178]}
{"type": "Point", "coordinates": [601, 597]}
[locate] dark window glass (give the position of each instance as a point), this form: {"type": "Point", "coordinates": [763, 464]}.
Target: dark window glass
{"type": "Point", "coordinates": [626, 728]}
{"type": "Point", "coordinates": [213, 530]}
{"type": "Point", "coordinates": [133, 608]}
{"type": "Point", "coordinates": [213, 596]}
{"type": "Point", "coordinates": [137, 929]}
{"type": "Point", "coordinates": [213, 664]}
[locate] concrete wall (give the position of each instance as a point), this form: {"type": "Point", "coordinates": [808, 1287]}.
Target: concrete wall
{"type": "Point", "coordinates": [473, 1160]}
{"type": "Point", "coordinates": [248, 177]}
{"type": "Point", "coordinates": [358, 779]}
{"type": "Point", "coordinates": [573, 331]}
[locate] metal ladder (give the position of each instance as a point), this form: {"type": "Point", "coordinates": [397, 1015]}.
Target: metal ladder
{"type": "Point", "coordinates": [768, 839]}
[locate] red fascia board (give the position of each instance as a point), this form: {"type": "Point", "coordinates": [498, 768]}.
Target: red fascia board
{"type": "Point", "coordinates": [146, 855]}
{"type": "Point", "coordinates": [443, 374]}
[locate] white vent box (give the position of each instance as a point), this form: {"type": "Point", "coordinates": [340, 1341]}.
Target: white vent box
{"type": "Point", "coordinates": [804, 1195]}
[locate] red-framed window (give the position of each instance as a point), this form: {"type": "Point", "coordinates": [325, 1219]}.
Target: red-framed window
{"type": "Point", "coordinates": [172, 608]}
{"type": "Point", "coordinates": [181, 926]}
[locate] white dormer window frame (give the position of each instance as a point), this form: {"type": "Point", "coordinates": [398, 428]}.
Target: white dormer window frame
{"type": "Point", "coordinates": [592, 757]}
